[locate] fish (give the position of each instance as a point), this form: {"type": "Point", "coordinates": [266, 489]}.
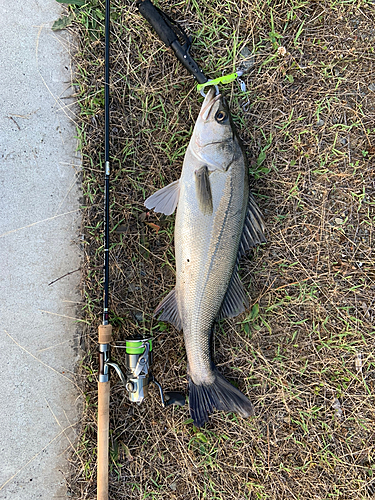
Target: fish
{"type": "Point", "coordinates": [217, 222]}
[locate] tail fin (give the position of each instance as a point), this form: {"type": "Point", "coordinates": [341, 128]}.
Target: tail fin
{"type": "Point", "coordinates": [220, 395]}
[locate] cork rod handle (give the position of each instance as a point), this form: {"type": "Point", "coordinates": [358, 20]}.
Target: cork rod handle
{"type": "Point", "coordinates": [105, 337]}
{"type": "Point", "coordinates": [103, 439]}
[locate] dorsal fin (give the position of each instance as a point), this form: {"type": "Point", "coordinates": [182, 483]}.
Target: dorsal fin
{"type": "Point", "coordinates": [235, 301]}
{"type": "Point", "coordinates": [253, 230]}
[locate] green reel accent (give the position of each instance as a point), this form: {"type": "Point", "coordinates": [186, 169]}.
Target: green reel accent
{"type": "Point", "coordinates": [136, 346]}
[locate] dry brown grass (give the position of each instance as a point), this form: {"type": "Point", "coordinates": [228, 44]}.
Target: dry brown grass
{"type": "Point", "coordinates": [304, 353]}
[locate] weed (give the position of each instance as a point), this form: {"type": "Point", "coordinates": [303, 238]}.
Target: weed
{"type": "Point", "coordinates": [306, 121]}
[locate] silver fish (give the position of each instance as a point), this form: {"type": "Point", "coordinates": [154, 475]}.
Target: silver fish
{"type": "Point", "coordinates": [217, 221]}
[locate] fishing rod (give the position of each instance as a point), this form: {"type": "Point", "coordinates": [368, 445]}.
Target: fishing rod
{"type": "Point", "coordinates": [138, 350]}
{"type": "Point", "coordinates": [174, 37]}
{"type": "Point", "coordinates": [171, 34]}
{"type": "Point", "coordinates": [105, 330]}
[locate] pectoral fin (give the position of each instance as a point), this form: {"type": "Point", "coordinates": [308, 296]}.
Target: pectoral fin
{"type": "Point", "coordinates": [165, 200]}
{"type": "Point", "coordinates": [203, 190]}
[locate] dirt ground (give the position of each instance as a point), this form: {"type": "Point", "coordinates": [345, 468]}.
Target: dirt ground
{"type": "Point", "coordinates": [304, 351]}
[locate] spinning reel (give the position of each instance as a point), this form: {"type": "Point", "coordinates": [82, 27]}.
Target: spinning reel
{"type": "Point", "coordinates": [138, 375]}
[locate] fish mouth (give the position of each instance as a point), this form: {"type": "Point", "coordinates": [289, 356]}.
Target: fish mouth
{"type": "Point", "coordinates": [209, 101]}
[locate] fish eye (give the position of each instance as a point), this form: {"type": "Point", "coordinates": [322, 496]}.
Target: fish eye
{"type": "Point", "coordinates": [220, 115]}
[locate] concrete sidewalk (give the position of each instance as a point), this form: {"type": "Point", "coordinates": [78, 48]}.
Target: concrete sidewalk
{"type": "Point", "coordinates": [39, 233]}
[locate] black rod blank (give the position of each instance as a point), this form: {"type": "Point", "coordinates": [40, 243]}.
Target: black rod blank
{"type": "Point", "coordinates": [106, 159]}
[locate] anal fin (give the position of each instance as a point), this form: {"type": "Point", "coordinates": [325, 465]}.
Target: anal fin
{"type": "Point", "coordinates": [170, 310]}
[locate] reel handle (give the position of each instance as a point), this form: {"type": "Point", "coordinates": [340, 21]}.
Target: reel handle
{"type": "Point", "coordinates": [174, 398]}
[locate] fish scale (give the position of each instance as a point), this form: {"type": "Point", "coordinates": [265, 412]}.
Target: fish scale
{"type": "Point", "coordinates": [212, 251]}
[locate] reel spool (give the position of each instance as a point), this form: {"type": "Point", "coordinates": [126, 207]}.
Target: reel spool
{"type": "Point", "coordinates": [138, 360]}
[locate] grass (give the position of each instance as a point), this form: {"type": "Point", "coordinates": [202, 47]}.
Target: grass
{"type": "Point", "coordinates": [304, 352]}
